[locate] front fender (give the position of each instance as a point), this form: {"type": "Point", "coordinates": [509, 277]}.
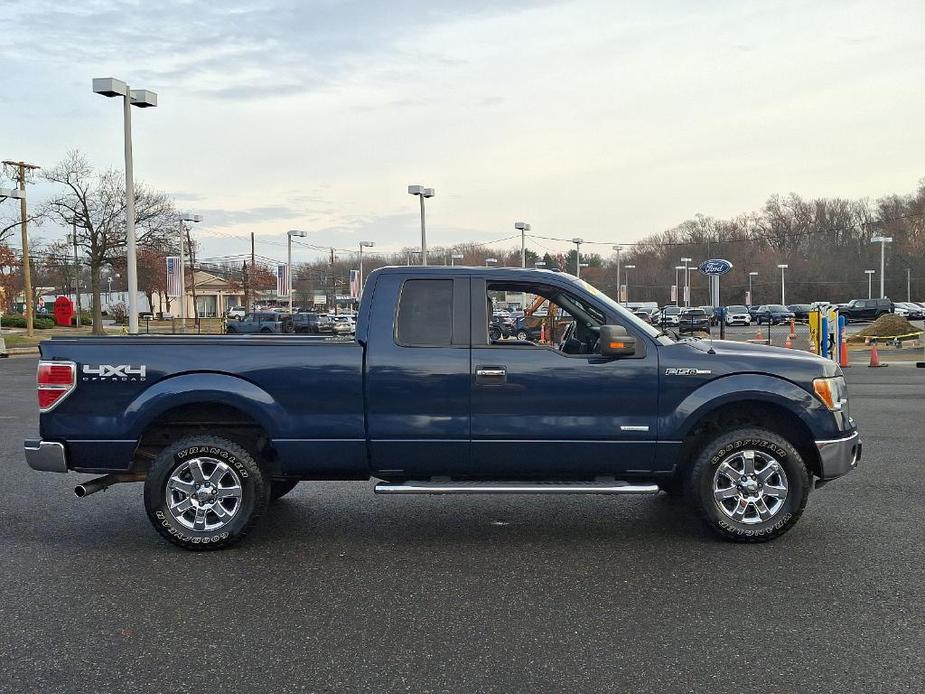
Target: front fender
{"type": "Point", "coordinates": [198, 388]}
{"type": "Point", "coordinates": [679, 420]}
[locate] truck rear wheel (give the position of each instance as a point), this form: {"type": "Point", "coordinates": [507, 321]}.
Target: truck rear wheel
{"type": "Point", "coordinates": [749, 485]}
{"type": "Point", "coordinates": [205, 492]}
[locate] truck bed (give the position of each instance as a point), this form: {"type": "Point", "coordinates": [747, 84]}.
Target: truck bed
{"type": "Point", "coordinates": [306, 393]}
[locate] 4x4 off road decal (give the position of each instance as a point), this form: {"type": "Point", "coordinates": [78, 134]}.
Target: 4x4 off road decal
{"type": "Point", "coordinates": [110, 372]}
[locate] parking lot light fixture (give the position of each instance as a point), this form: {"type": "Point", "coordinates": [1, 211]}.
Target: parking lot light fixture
{"type": "Point", "coordinates": [783, 295]}
{"type": "Point", "coordinates": [883, 241]}
{"type": "Point", "coordinates": [523, 228]}
{"type": "Point", "coordinates": [578, 241]}
{"type": "Point", "coordinates": [490, 261]}
{"type": "Point", "coordinates": [870, 283]}
{"type": "Point", "coordinates": [422, 193]}
{"type": "Point", "coordinates": [627, 269]}
{"type": "Point", "coordinates": [140, 98]}
{"type": "Point", "coordinates": [677, 284]}
{"type": "Point", "coordinates": [539, 263]}
{"type": "Point", "coordinates": [289, 234]}
{"type": "Point", "coordinates": [454, 257]}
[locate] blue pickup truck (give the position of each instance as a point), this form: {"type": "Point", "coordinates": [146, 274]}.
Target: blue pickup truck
{"type": "Point", "coordinates": [427, 401]}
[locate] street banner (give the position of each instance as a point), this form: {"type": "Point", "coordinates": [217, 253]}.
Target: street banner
{"type": "Point", "coordinates": [174, 280]}
{"type": "Point", "coordinates": [622, 293]}
{"type": "Point", "coordinates": [282, 280]}
{"type": "Point", "coordinates": [354, 284]}
{"type": "Point", "coordinates": [815, 326]}
{"type": "Point", "coordinates": [674, 294]}
{"type": "Point", "coordinates": [748, 298]}
{"type": "Point", "coordinates": [687, 294]}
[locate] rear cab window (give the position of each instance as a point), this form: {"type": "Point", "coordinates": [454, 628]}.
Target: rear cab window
{"type": "Point", "coordinates": [425, 313]}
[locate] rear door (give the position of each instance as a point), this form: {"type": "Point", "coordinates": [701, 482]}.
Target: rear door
{"type": "Point", "coordinates": [417, 376]}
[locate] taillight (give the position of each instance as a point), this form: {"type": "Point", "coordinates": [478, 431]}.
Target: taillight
{"type": "Point", "coordinates": [54, 382]}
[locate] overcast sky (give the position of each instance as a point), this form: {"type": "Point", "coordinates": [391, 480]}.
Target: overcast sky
{"type": "Point", "coordinates": [602, 119]}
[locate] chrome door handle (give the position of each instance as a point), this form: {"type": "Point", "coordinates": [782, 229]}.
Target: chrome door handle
{"type": "Point", "coordinates": [491, 372]}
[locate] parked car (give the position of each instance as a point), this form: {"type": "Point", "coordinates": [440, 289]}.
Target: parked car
{"type": "Point", "coordinates": [710, 311]}
{"type": "Point", "coordinates": [694, 320]}
{"type": "Point", "coordinates": [738, 315]}
{"type": "Point", "coordinates": [500, 328]}
{"type": "Point", "coordinates": [669, 315]}
{"type": "Point", "coordinates": [643, 314]}
{"type": "Point", "coordinates": [236, 313]}
{"type": "Point", "coordinates": [344, 325]}
{"type": "Point", "coordinates": [866, 309]}
{"type": "Point", "coordinates": [312, 323]}
{"type": "Point", "coordinates": [773, 314]}
{"type": "Point", "coordinates": [264, 323]}
{"type": "Point", "coordinates": [913, 310]}
{"type": "Point", "coordinates": [216, 428]}
{"type": "Point", "coordinates": [800, 311]}
{"type": "Point", "coordinates": [523, 331]}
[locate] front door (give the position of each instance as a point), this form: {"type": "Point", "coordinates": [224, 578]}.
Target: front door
{"type": "Point", "coordinates": [545, 410]}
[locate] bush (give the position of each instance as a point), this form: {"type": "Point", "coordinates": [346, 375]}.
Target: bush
{"type": "Point", "coordinates": [86, 318]}
{"type": "Point", "coordinates": [16, 320]}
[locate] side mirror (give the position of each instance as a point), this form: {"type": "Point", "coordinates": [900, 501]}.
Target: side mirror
{"type": "Point", "coordinates": [615, 342]}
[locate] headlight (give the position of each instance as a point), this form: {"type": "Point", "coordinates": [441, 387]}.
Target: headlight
{"type": "Point", "coordinates": [832, 391]}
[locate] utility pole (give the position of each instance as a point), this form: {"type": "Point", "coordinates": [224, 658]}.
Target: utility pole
{"type": "Point", "coordinates": [251, 277]}
{"type": "Point", "coordinates": [76, 269]}
{"type": "Point", "coordinates": [192, 272]}
{"type": "Point", "coordinates": [20, 169]}
{"type": "Point", "coordinates": [333, 284]}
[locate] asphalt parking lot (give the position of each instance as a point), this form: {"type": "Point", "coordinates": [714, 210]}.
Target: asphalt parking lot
{"type": "Point", "coordinates": [343, 591]}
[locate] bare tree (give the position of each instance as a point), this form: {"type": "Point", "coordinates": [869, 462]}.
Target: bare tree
{"type": "Point", "coordinates": [95, 202]}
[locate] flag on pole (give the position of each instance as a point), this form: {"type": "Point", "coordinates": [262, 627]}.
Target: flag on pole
{"type": "Point", "coordinates": [354, 284]}
{"type": "Point", "coordinates": [282, 280]}
{"type": "Point", "coordinates": [173, 276]}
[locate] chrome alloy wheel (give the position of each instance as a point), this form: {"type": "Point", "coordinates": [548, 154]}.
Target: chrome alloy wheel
{"type": "Point", "coordinates": [203, 494]}
{"type": "Point", "coordinates": [750, 487]}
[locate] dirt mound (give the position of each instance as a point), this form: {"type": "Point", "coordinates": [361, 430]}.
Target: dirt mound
{"type": "Point", "coordinates": [888, 325]}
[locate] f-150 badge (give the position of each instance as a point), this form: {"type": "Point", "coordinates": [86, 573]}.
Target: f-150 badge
{"type": "Point", "coordinates": [687, 372]}
{"type": "Point", "coordinates": [110, 372]}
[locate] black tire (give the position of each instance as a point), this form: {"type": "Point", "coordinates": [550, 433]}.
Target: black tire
{"type": "Point", "coordinates": [494, 334]}
{"type": "Point", "coordinates": [254, 492]}
{"type": "Point", "coordinates": [522, 335]}
{"type": "Point", "coordinates": [771, 447]}
{"type": "Point", "coordinates": [280, 488]}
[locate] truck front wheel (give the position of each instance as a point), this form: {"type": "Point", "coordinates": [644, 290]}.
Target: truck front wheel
{"type": "Point", "coordinates": [749, 485]}
{"type": "Point", "coordinates": [205, 492]}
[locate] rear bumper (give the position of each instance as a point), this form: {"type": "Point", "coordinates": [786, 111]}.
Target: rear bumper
{"type": "Point", "coordinates": [45, 456]}
{"type": "Point", "coordinates": [838, 457]}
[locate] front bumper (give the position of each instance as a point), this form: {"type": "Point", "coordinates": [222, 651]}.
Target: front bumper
{"type": "Point", "coordinates": [45, 456]}
{"type": "Point", "coordinates": [838, 457]}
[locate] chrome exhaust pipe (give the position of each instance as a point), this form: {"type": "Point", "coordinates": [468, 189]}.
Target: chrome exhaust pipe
{"type": "Point", "coordinates": [98, 484]}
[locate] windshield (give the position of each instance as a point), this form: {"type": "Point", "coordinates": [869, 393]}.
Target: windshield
{"type": "Point", "coordinates": [619, 309]}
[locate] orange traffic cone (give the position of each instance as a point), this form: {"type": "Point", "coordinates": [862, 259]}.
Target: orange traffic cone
{"type": "Point", "coordinates": [793, 330]}
{"type": "Point", "coordinates": [788, 343]}
{"type": "Point", "coordinates": [758, 335]}
{"type": "Point", "coordinates": [874, 357]}
{"type": "Point", "coordinates": [843, 355]}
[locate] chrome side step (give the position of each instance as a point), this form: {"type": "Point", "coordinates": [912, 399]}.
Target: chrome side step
{"type": "Point", "coordinates": [501, 487]}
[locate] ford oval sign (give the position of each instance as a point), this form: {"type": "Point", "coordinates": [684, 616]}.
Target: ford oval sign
{"type": "Point", "coordinates": [715, 267]}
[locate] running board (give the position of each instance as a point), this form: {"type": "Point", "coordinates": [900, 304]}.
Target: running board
{"type": "Point", "coordinates": [485, 487]}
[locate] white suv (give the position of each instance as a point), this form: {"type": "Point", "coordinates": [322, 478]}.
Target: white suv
{"type": "Point", "coordinates": [738, 315]}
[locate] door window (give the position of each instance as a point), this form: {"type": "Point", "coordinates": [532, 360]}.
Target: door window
{"type": "Point", "coordinates": [425, 313]}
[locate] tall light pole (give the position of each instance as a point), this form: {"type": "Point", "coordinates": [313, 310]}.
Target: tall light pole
{"type": "Point", "coordinates": [193, 218]}
{"type": "Point", "coordinates": [301, 235]}
{"type": "Point", "coordinates": [142, 98]}
{"type": "Point", "coordinates": [687, 280]}
{"type": "Point", "coordinates": [677, 284]}
{"type": "Point", "coordinates": [908, 284]}
{"type": "Point", "coordinates": [883, 241]}
{"type": "Point", "coordinates": [617, 250]}
{"type": "Point", "coordinates": [627, 268]}
{"type": "Point", "coordinates": [363, 244]}
{"type": "Point", "coordinates": [870, 277]}
{"type": "Point", "coordinates": [422, 193]}
{"type": "Point", "coordinates": [578, 241]}
{"type": "Point", "coordinates": [454, 257]}
{"type": "Point", "coordinates": [751, 299]}
{"type": "Point", "coordinates": [783, 295]}
{"type": "Point", "coordinates": [523, 228]}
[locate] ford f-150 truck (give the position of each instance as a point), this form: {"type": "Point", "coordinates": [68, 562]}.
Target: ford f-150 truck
{"type": "Point", "coordinates": [426, 402]}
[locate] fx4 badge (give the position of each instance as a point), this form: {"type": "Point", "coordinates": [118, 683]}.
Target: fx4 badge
{"type": "Point", "coordinates": [687, 372]}
{"type": "Point", "coordinates": [110, 372]}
